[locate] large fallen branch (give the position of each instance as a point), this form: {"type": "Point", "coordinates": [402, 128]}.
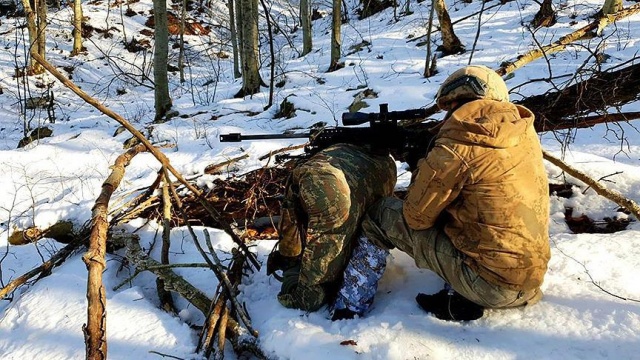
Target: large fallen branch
{"type": "Point", "coordinates": [510, 66]}
{"type": "Point", "coordinates": [612, 195]}
{"type": "Point", "coordinates": [95, 331]}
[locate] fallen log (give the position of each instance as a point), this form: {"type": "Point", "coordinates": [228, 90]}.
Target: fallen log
{"type": "Point", "coordinates": [62, 231]}
{"type": "Point", "coordinates": [602, 21]}
{"type": "Point", "coordinates": [570, 107]}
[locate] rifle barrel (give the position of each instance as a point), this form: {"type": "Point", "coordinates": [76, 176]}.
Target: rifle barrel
{"type": "Point", "coordinates": [237, 137]}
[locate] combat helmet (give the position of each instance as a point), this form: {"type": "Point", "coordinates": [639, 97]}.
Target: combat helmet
{"type": "Point", "coordinates": [470, 83]}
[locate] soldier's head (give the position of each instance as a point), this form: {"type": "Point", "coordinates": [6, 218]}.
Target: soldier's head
{"type": "Point", "coordinates": [471, 83]}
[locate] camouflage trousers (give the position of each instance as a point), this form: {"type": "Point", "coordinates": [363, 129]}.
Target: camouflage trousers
{"type": "Point", "coordinates": [432, 249]}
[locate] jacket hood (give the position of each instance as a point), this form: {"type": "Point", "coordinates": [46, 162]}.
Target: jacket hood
{"type": "Point", "coordinates": [488, 123]}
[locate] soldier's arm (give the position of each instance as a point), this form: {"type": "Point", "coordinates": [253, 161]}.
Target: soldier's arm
{"type": "Point", "coordinates": [437, 182]}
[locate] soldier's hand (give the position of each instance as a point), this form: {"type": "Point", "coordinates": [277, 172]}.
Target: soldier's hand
{"type": "Point", "coordinates": [276, 261]}
{"type": "Point", "coordinates": [308, 298]}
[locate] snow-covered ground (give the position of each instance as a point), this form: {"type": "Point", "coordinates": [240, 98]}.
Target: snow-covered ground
{"type": "Point", "coordinates": [591, 307]}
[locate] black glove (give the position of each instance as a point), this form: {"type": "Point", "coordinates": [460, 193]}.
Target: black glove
{"type": "Point", "coordinates": [276, 261]}
{"type": "Point", "coordinates": [295, 295]}
{"type": "Point", "coordinates": [449, 305]}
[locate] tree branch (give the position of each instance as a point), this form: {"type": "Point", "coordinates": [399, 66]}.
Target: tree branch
{"type": "Point", "coordinates": [612, 195]}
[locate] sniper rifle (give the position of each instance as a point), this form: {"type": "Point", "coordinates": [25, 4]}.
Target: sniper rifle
{"type": "Point", "coordinates": [383, 135]}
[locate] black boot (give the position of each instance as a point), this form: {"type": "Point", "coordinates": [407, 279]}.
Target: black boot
{"type": "Point", "coordinates": [343, 314]}
{"type": "Point", "coordinates": [449, 305]}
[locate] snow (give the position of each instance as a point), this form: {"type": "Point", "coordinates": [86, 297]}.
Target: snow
{"type": "Point", "coordinates": [591, 306]}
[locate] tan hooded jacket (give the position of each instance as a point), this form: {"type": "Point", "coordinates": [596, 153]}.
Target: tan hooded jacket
{"type": "Point", "coordinates": [485, 179]}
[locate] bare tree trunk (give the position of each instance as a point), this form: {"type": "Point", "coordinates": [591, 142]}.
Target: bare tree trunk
{"type": "Point", "coordinates": [42, 27]}
{"type": "Point", "coordinates": [32, 27]}
{"type": "Point", "coordinates": [545, 17]}
{"type": "Point", "coordinates": [77, 28]}
{"type": "Point", "coordinates": [305, 22]}
{"type": "Point", "coordinates": [251, 80]}
{"type": "Point", "coordinates": [272, 54]}
{"type": "Point", "coordinates": [160, 58]}
{"type": "Point", "coordinates": [336, 41]}
{"type": "Point", "coordinates": [183, 19]}
{"type": "Point", "coordinates": [450, 42]}
{"type": "Point", "coordinates": [234, 39]}
{"type": "Point", "coordinates": [429, 65]}
{"type": "Point", "coordinates": [166, 300]}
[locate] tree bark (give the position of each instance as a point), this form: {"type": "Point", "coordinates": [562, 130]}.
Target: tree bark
{"type": "Point", "coordinates": [305, 22]}
{"type": "Point", "coordinates": [450, 42]}
{"type": "Point", "coordinates": [171, 280]}
{"type": "Point", "coordinates": [336, 40]}
{"type": "Point", "coordinates": [166, 300]}
{"type": "Point", "coordinates": [272, 54]}
{"type": "Point", "coordinates": [545, 17]}
{"type": "Point", "coordinates": [429, 64]}
{"type": "Point", "coordinates": [162, 99]}
{"type": "Point", "coordinates": [42, 27]}
{"type": "Point", "coordinates": [183, 20]}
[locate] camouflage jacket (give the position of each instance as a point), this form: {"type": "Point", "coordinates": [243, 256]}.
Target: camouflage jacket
{"type": "Point", "coordinates": [328, 195]}
{"type": "Point", "coordinates": [486, 176]}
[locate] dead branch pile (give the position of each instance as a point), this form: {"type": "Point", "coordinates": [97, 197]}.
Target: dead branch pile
{"type": "Point", "coordinates": [240, 200]}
